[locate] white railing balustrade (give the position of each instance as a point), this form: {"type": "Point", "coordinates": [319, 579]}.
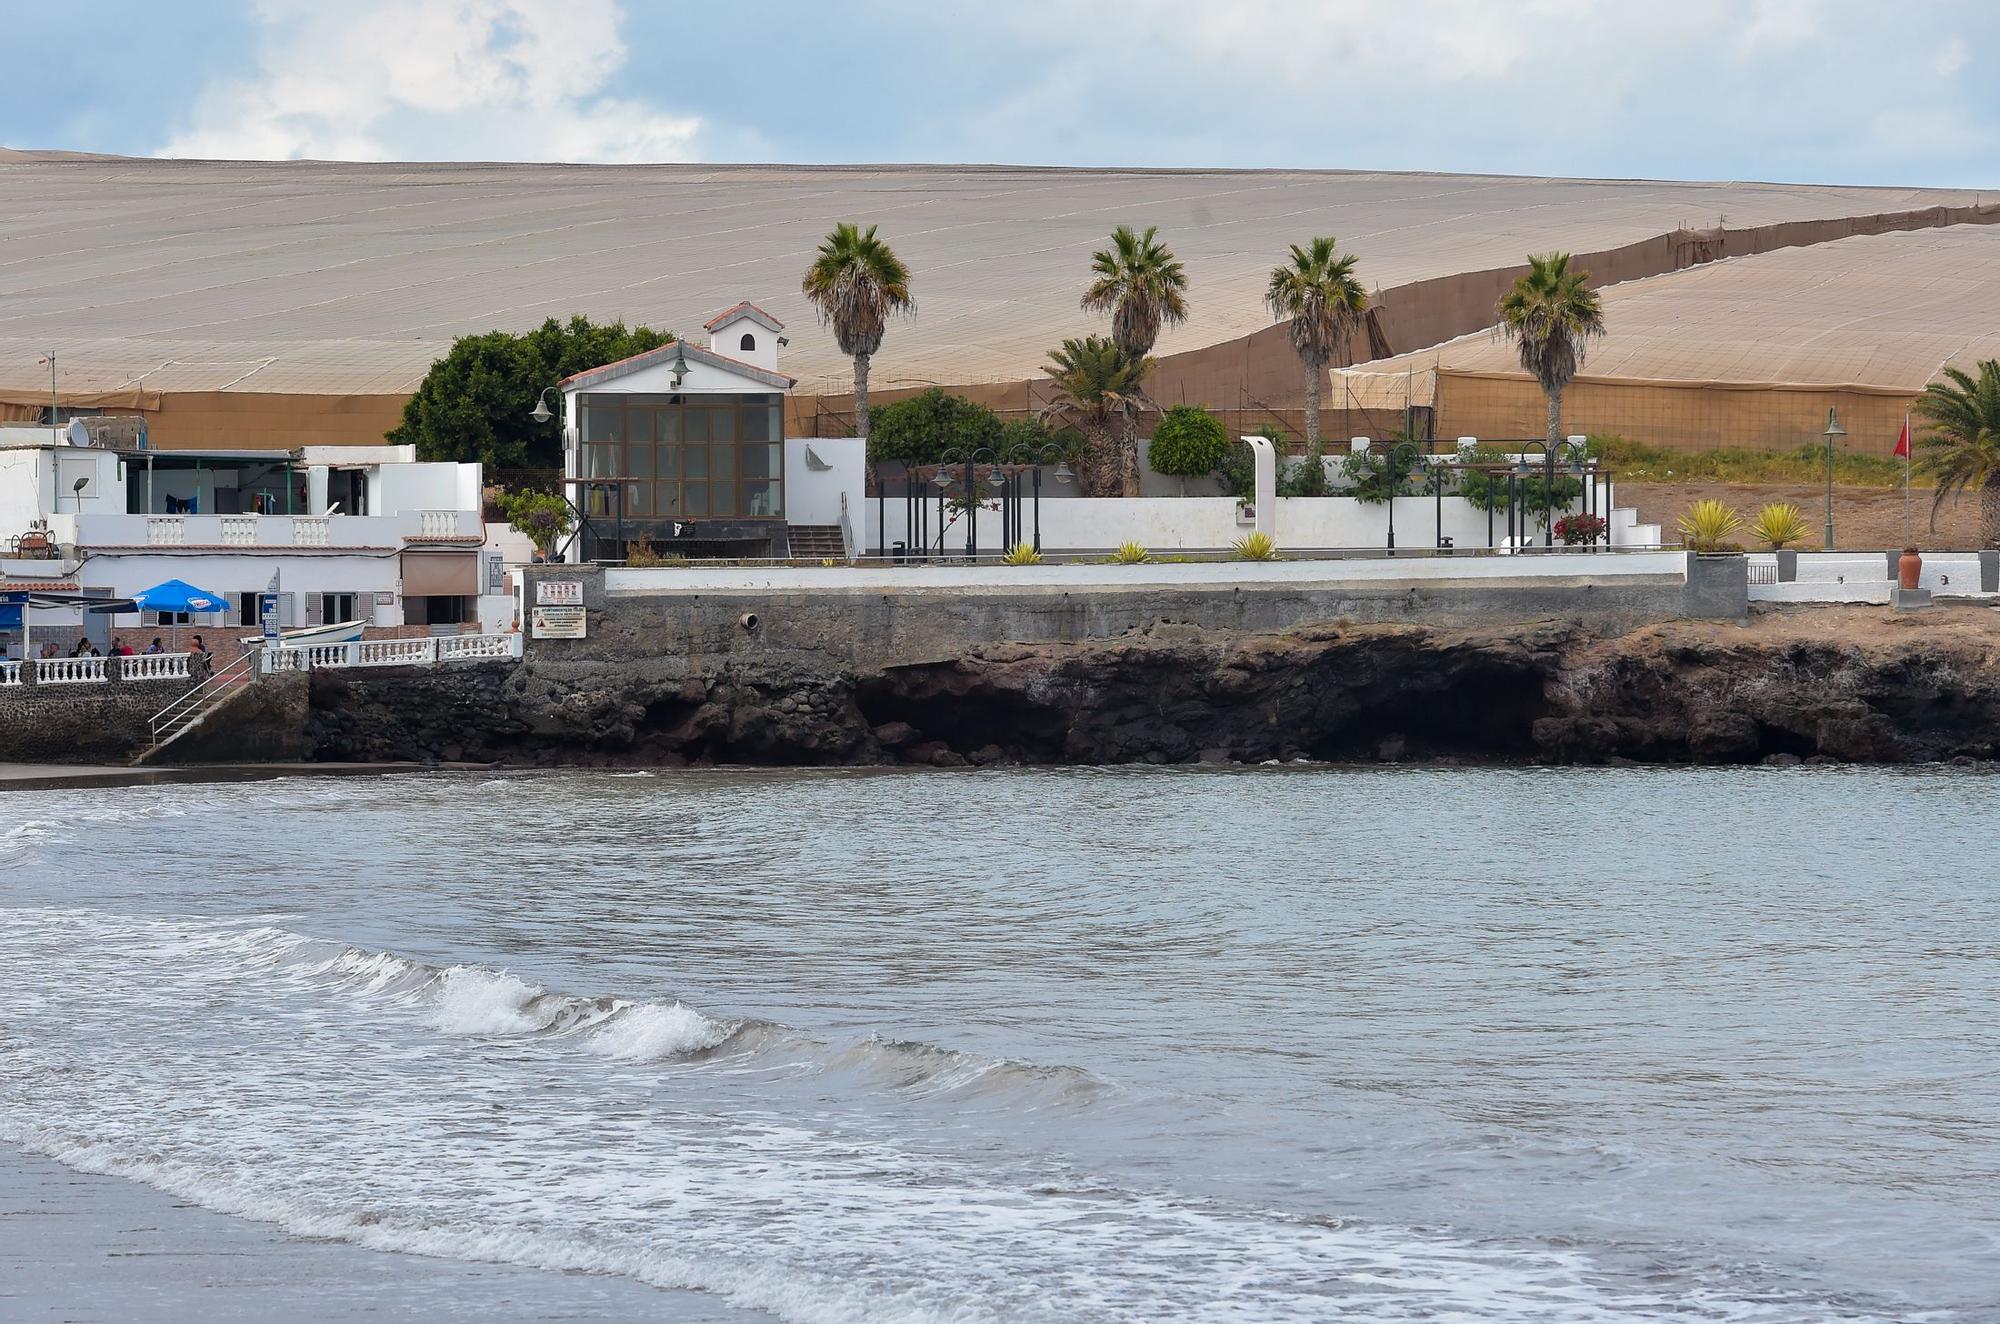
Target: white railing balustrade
{"type": "Point", "coordinates": [154, 666]}
{"type": "Point", "coordinates": [239, 531]}
{"type": "Point", "coordinates": [437, 524]}
{"type": "Point", "coordinates": [10, 673]}
{"type": "Point", "coordinates": [309, 530]}
{"type": "Point", "coordinates": [474, 646]}
{"type": "Point", "coordinates": [166, 530]}
{"type": "Point", "coordinates": [68, 670]}
{"type": "Point", "coordinates": [393, 652]}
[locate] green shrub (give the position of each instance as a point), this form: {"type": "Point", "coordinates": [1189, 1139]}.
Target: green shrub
{"type": "Point", "coordinates": [1022, 553]}
{"type": "Point", "coordinates": [1130, 553]}
{"type": "Point", "coordinates": [925, 428]}
{"type": "Point", "coordinates": [1255, 547]}
{"type": "Point", "coordinates": [1190, 442]}
{"type": "Point", "coordinates": [1375, 475]}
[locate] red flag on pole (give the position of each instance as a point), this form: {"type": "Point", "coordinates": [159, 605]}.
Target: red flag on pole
{"type": "Point", "coordinates": [1903, 441]}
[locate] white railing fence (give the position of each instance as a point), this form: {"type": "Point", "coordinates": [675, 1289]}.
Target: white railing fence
{"type": "Point", "coordinates": [437, 523]}
{"type": "Point", "coordinates": [394, 652]}
{"type": "Point", "coordinates": [239, 530]}
{"type": "Point", "coordinates": [68, 670]}
{"type": "Point", "coordinates": [309, 530]}
{"type": "Point", "coordinates": [154, 666]}
{"type": "Point", "coordinates": [165, 530]}
{"type": "Point", "coordinates": [10, 673]}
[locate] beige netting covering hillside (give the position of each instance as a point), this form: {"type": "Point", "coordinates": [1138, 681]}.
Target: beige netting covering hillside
{"type": "Point", "coordinates": [1753, 351]}
{"type": "Point", "coordinates": [348, 279]}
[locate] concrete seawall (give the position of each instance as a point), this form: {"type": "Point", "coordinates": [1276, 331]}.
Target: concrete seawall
{"type": "Point", "coordinates": [870, 616]}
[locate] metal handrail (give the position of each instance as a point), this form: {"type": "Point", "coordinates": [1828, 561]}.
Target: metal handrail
{"type": "Point", "coordinates": [192, 699]}
{"type": "Point", "coordinates": [846, 529]}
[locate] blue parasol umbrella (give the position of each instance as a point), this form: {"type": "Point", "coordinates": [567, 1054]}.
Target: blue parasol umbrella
{"type": "Point", "coordinates": [178, 595]}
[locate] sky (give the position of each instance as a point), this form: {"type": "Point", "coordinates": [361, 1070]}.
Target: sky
{"type": "Point", "coordinates": [1831, 91]}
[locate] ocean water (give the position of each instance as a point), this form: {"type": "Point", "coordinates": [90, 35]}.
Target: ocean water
{"type": "Point", "coordinates": [1108, 1045]}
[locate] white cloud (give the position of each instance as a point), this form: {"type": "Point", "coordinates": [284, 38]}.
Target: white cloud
{"type": "Point", "coordinates": [1953, 58]}
{"type": "Point", "coordinates": [433, 80]}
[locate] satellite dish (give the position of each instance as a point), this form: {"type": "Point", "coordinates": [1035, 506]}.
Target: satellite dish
{"type": "Point", "coordinates": [79, 435]}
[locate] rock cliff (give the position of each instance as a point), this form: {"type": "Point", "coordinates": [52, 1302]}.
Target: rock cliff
{"type": "Point", "coordinates": [1841, 684]}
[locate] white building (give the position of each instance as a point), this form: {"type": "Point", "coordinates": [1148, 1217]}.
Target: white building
{"type": "Point", "coordinates": [684, 448]}
{"type": "Point", "coordinates": [353, 533]}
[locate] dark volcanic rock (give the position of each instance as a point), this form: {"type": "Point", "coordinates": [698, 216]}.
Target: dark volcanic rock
{"type": "Point", "coordinates": [1807, 688]}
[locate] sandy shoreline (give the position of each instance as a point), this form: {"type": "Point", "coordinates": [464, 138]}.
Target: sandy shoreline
{"type": "Point", "coordinates": [85, 1249]}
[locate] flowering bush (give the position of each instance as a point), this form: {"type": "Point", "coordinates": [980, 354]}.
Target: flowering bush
{"type": "Point", "coordinates": [1575, 530]}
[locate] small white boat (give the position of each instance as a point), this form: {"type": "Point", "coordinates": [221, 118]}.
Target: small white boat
{"type": "Point", "coordinates": [343, 632]}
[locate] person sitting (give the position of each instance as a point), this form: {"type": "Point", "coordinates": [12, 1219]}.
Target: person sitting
{"type": "Point", "coordinates": [81, 649]}
{"type": "Point", "coordinates": [49, 649]}
{"type": "Point", "coordinates": [195, 645]}
{"type": "Point", "coordinates": [156, 646]}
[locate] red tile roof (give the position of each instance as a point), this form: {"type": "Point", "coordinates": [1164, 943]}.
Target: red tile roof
{"type": "Point", "coordinates": [743, 309]}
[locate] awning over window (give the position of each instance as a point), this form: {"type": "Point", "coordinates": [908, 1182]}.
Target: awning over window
{"type": "Point", "coordinates": [440, 574]}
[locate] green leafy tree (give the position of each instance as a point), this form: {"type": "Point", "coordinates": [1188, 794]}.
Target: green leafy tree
{"type": "Point", "coordinates": [474, 403]}
{"type": "Point", "coordinates": [544, 519]}
{"type": "Point", "coordinates": [1189, 443]}
{"type": "Point", "coordinates": [1318, 292]}
{"type": "Point", "coordinates": [1551, 314]}
{"type": "Point", "coordinates": [1140, 282]}
{"type": "Point", "coordinates": [925, 428]}
{"type": "Point", "coordinates": [857, 283]}
{"type": "Point", "coordinates": [1960, 442]}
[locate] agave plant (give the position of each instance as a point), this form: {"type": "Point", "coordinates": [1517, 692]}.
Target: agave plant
{"type": "Point", "coordinates": [1707, 525]}
{"type": "Point", "coordinates": [1021, 553]}
{"type": "Point", "coordinates": [1255, 547]}
{"type": "Point", "coordinates": [1130, 553]}
{"type": "Point", "coordinates": [1779, 525]}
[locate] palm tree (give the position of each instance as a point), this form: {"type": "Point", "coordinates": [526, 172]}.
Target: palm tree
{"type": "Point", "coordinates": [1961, 442]}
{"type": "Point", "coordinates": [1553, 315]}
{"type": "Point", "coordinates": [1318, 292]}
{"type": "Point", "coordinates": [1140, 283]}
{"type": "Point", "coordinates": [856, 281]}
{"type": "Point", "coordinates": [1100, 390]}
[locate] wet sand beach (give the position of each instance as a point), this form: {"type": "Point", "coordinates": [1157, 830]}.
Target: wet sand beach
{"type": "Point", "coordinates": [82, 1248]}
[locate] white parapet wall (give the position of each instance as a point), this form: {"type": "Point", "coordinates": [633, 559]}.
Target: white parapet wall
{"type": "Point", "coordinates": [1554, 567]}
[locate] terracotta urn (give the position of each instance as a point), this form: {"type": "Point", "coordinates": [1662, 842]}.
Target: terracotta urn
{"type": "Point", "coordinates": [1909, 568]}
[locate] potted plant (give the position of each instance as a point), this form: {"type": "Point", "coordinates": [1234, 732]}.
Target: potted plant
{"type": "Point", "coordinates": [1778, 526]}
{"type": "Point", "coordinates": [1706, 527]}
{"type": "Point", "coordinates": [1580, 530]}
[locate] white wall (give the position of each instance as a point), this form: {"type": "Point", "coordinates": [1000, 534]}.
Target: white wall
{"type": "Point", "coordinates": [439, 486]}
{"type": "Point", "coordinates": [229, 575]}
{"type": "Point", "coordinates": [813, 497]}
{"type": "Point", "coordinates": [1669, 567]}
{"type": "Point", "coordinates": [726, 339]}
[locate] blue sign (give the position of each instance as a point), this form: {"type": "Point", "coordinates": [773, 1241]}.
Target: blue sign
{"type": "Point", "coordinates": [267, 613]}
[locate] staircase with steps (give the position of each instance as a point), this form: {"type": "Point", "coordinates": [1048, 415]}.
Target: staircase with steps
{"type": "Point", "coordinates": [817, 542]}
{"type": "Point", "coordinates": [193, 708]}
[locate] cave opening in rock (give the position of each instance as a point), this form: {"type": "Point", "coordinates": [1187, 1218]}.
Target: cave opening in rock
{"type": "Point", "coordinates": [1474, 712]}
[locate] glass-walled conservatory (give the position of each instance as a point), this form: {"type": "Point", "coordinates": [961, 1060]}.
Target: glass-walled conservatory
{"type": "Point", "coordinates": [690, 456]}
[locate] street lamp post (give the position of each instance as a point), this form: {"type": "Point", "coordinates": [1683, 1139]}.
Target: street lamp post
{"type": "Point", "coordinates": [1833, 431]}
{"type": "Point", "coordinates": [1392, 479]}
{"type": "Point", "coordinates": [1034, 457]}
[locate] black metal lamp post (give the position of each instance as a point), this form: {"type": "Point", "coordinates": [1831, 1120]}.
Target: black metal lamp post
{"type": "Point", "coordinates": [996, 477]}
{"type": "Point", "coordinates": [1833, 433]}
{"type": "Point", "coordinates": [1392, 480]}
{"type": "Point", "coordinates": [1033, 458]}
